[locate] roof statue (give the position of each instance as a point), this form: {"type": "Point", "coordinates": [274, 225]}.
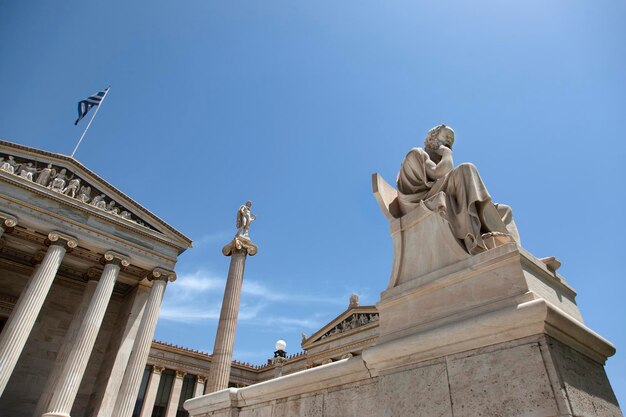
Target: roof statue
{"type": "Point", "coordinates": [244, 219]}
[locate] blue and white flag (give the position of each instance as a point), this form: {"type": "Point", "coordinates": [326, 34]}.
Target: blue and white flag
{"type": "Point", "coordinates": [85, 105]}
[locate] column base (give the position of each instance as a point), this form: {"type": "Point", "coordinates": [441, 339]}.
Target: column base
{"type": "Point", "coordinates": [55, 415]}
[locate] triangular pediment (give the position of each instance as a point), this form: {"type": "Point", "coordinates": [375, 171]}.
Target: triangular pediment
{"type": "Point", "coordinates": [350, 320]}
{"type": "Point", "coordinates": [65, 179]}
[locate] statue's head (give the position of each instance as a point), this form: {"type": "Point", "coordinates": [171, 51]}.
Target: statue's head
{"type": "Point", "coordinates": [437, 136]}
{"type": "Point", "coordinates": [248, 203]}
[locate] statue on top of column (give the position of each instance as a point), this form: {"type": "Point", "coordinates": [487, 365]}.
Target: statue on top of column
{"type": "Point", "coordinates": [244, 219]}
{"type": "Point", "coordinates": [470, 211]}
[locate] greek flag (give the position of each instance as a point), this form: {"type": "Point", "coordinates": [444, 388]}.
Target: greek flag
{"type": "Point", "coordinates": [85, 105]}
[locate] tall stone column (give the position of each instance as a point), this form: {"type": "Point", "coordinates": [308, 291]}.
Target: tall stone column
{"type": "Point", "coordinates": [137, 362]}
{"type": "Point", "coordinates": [91, 276]}
{"type": "Point", "coordinates": [199, 388]}
{"type": "Point", "coordinates": [72, 372]}
{"type": "Point", "coordinates": [120, 347]}
{"type": "Point", "coordinates": [172, 404]}
{"type": "Point", "coordinates": [20, 324]}
{"type": "Point", "coordinates": [7, 222]}
{"type": "Point", "coordinates": [219, 372]}
{"type": "Point", "coordinates": [151, 392]}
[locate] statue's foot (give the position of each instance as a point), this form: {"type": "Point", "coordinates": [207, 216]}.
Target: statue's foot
{"type": "Point", "coordinates": [552, 263]}
{"type": "Point", "coordinates": [494, 239]}
{"type": "Point", "coordinates": [472, 246]}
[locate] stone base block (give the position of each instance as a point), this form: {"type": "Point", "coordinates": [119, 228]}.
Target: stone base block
{"type": "Point", "coordinates": [535, 376]}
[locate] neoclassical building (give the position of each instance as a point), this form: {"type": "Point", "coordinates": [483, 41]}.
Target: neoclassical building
{"type": "Point", "coordinates": [83, 270]}
{"type": "Point", "coordinates": [174, 374]}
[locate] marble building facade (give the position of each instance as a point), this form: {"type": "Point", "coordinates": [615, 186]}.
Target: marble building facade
{"type": "Point", "coordinates": [83, 270]}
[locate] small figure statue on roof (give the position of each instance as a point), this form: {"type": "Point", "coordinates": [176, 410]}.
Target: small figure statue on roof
{"type": "Point", "coordinates": [354, 301]}
{"type": "Point", "coordinates": [244, 219]}
{"type": "Point", "coordinates": [58, 181]}
{"type": "Point", "coordinates": [84, 194]}
{"type": "Point", "coordinates": [98, 202]}
{"type": "Point", "coordinates": [45, 174]}
{"type": "Point", "coordinates": [72, 188]}
{"type": "Point", "coordinates": [9, 165]}
{"type": "Point", "coordinates": [27, 171]}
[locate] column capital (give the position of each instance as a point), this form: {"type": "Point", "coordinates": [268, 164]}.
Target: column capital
{"type": "Point", "coordinates": [7, 221]}
{"type": "Point", "coordinates": [157, 369]}
{"type": "Point", "coordinates": [240, 244]}
{"type": "Point", "coordinates": [112, 257]}
{"type": "Point", "coordinates": [201, 379]}
{"type": "Point", "coordinates": [180, 374]}
{"type": "Point", "coordinates": [92, 274]}
{"type": "Point", "coordinates": [61, 239]}
{"type": "Point", "coordinates": [162, 274]}
{"type": "Point", "coordinates": [38, 257]}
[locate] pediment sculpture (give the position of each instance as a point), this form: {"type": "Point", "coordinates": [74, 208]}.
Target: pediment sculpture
{"type": "Point", "coordinates": [351, 322]}
{"type": "Point", "coordinates": [60, 180]}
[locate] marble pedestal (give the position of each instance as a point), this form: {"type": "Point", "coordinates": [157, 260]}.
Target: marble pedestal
{"type": "Point", "coordinates": [493, 334]}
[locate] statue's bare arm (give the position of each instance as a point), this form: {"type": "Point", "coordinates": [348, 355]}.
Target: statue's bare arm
{"type": "Point", "coordinates": [445, 165]}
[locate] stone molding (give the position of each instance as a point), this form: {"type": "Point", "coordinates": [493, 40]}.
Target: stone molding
{"type": "Point", "coordinates": [341, 372]}
{"type": "Point", "coordinates": [355, 346]}
{"type": "Point", "coordinates": [240, 244]}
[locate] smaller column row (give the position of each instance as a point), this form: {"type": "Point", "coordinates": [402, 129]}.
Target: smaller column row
{"type": "Point", "coordinates": [155, 385]}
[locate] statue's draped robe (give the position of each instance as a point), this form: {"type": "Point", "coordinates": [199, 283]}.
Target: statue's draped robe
{"type": "Point", "coordinates": [469, 208]}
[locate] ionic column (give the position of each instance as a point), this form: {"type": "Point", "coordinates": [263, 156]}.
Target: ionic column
{"type": "Point", "coordinates": [137, 362]}
{"type": "Point", "coordinates": [78, 357]}
{"type": "Point", "coordinates": [199, 388]}
{"type": "Point", "coordinates": [91, 276]}
{"type": "Point", "coordinates": [151, 392]}
{"type": "Point", "coordinates": [172, 404]}
{"type": "Point", "coordinates": [219, 372]}
{"type": "Point", "coordinates": [7, 222]}
{"type": "Point", "coordinates": [20, 324]}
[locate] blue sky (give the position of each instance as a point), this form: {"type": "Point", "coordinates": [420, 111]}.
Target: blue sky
{"type": "Point", "coordinates": [294, 104]}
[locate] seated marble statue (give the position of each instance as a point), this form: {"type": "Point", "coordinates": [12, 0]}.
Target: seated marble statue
{"type": "Point", "coordinates": [469, 209]}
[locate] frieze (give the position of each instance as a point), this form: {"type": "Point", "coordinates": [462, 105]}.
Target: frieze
{"type": "Point", "coordinates": [350, 323]}
{"type": "Point", "coordinates": [63, 181]}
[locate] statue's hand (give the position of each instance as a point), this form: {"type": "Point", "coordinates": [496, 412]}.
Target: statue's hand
{"type": "Point", "coordinates": [442, 150]}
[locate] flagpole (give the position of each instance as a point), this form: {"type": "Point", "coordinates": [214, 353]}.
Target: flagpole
{"type": "Point", "coordinates": [90, 120]}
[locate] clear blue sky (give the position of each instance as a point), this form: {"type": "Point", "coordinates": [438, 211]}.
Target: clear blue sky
{"type": "Point", "coordinates": [294, 104]}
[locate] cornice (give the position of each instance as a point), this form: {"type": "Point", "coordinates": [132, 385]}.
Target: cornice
{"type": "Point", "coordinates": [94, 230]}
